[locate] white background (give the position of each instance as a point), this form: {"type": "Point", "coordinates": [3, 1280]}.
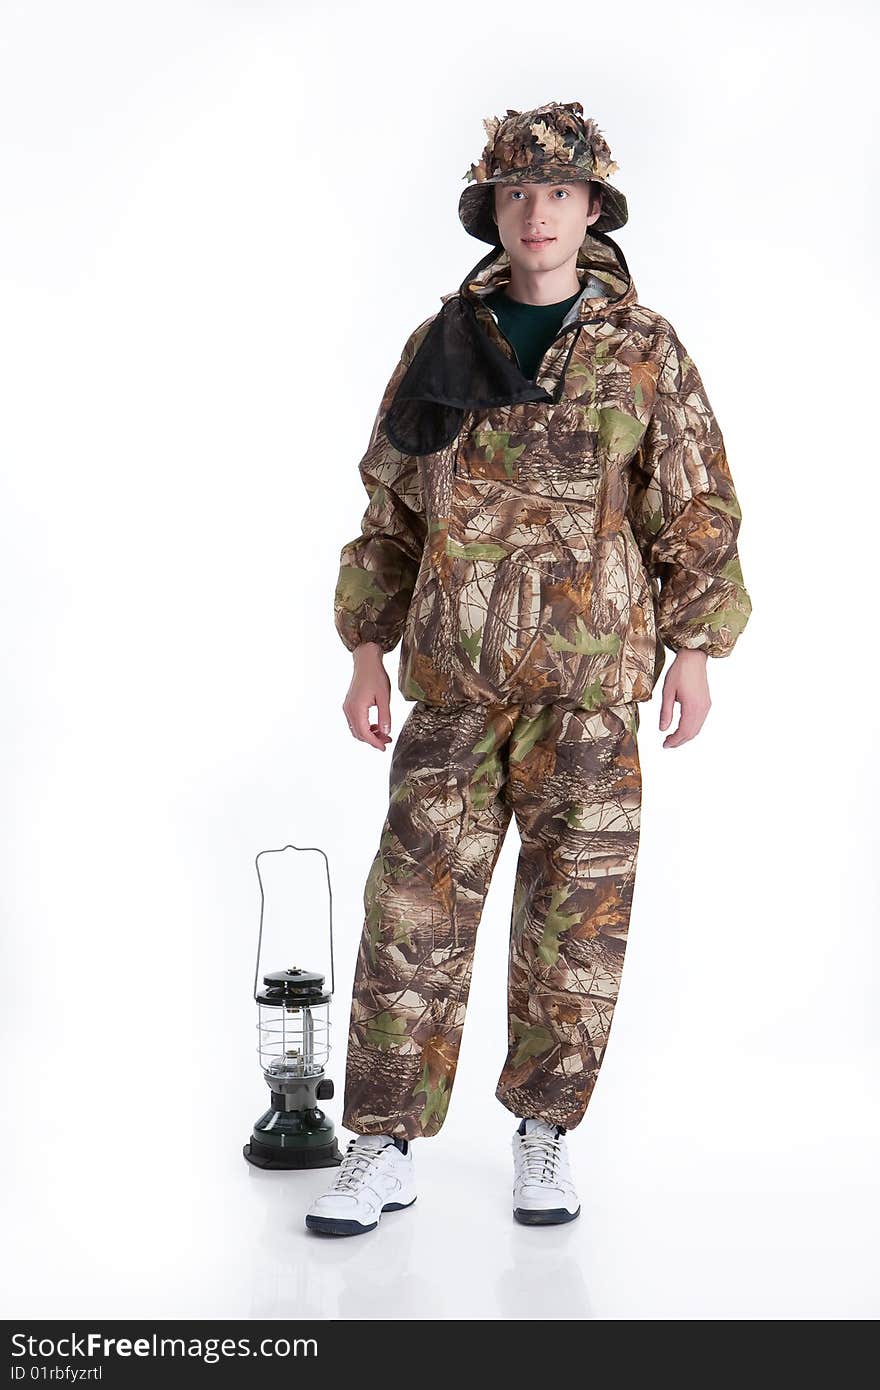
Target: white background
{"type": "Point", "coordinates": [220, 222]}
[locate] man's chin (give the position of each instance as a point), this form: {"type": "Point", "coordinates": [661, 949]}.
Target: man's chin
{"type": "Point", "coordinates": [549, 257]}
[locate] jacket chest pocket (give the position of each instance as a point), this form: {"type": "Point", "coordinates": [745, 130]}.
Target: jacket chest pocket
{"type": "Point", "coordinates": [490, 444]}
{"type": "Point", "coordinates": [541, 449]}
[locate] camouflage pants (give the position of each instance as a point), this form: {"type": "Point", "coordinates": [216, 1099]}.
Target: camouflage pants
{"type": "Point", "coordinates": [572, 779]}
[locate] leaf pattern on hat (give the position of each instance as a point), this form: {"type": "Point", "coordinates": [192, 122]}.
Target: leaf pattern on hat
{"type": "Point", "coordinates": [603, 164]}
{"type": "Point", "coordinates": [557, 132]}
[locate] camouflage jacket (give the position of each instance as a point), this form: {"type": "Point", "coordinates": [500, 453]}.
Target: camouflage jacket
{"type": "Point", "coordinates": [553, 547]}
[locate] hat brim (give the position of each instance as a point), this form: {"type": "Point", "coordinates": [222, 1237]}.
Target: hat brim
{"type": "Point", "coordinates": [476, 204]}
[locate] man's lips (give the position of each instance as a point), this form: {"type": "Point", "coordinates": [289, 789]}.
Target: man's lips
{"type": "Point", "coordinates": [538, 241]}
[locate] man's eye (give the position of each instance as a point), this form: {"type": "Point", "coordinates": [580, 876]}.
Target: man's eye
{"type": "Point", "coordinates": [518, 193]}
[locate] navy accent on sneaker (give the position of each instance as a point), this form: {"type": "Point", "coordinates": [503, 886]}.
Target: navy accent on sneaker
{"type": "Point", "coordinates": [343, 1226]}
{"type": "Point", "coordinates": [556, 1217]}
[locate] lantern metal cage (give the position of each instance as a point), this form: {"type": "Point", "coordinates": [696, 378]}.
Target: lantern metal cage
{"type": "Point", "coordinates": [294, 1039]}
{"type": "Point", "coordinates": [293, 1028]}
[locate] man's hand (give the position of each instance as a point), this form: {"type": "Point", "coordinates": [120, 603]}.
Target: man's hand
{"type": "Point", "coordinates": [369, 686]}
{"type": "Point", "coordinates": [686, 682]}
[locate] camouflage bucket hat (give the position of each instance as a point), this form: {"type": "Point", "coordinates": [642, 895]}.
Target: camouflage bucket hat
{"type": "Point", "coordinates": [552, 144]}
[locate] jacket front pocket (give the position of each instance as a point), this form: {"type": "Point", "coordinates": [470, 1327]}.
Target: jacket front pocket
{"type": "Point", "coordinates": [496, 608]}
{"type": "Point", "coordinates": [574, 652]}
{"type": "Point", "coordinates": [490, 443]}
{"type": "Point", "coordinates": [526, 625]}
{"type": "Point", "coordinates": [543, 450]}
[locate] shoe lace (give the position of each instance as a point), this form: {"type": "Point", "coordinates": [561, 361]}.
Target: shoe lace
{"type": "Point", "coordinates": [541, 1157]}
{"type": "Point", "coordinates": [355, 1166]}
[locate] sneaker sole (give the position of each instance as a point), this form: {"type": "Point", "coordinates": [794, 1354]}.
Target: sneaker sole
{"type": "Point", "coordinates": [553, 1217]}
{"type": "Point", "coordinates": [337, 1226]}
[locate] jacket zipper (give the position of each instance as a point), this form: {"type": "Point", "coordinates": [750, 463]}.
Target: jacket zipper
{"type": "Point", "coordinates": [507, 340]}
{"type": "Point", "coordinates": [575, 324]}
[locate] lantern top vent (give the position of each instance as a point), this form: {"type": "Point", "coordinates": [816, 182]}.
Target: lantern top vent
{"type": "Point", "coordinates": [293, 986]}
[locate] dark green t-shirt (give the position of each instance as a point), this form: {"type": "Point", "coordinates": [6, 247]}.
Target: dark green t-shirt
{"type": "Point", "coordinates": [530, 327]}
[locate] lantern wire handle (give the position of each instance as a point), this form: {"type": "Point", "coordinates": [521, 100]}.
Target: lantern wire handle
{"type": "Point", "coordinates": [305, 849]}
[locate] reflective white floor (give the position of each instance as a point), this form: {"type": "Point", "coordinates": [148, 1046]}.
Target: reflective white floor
{"type": "Point", "coordinates": [714, 1196]}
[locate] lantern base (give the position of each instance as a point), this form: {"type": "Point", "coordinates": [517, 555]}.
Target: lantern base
{"type": "Point", "coordinates": [293, 1139]}
{"type": "Point", "coordinates": [259, 1155]}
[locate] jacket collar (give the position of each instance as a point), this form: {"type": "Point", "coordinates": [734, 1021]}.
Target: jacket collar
{"type": "Point", "coordinates": [606, 281]}
{"type": "Point", "coordinates": [460, 366]}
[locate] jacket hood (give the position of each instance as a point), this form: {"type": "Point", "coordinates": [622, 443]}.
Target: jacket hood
{"type": "Point", "coordinates": [459, 367]}
{"type": "Point", "coordinates": [606, 281]}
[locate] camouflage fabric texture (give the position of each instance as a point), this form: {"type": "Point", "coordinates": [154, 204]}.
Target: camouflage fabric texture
{"type": "Point", "coordinates": [553, 549]}
{"type": "Point", "coordinates": [534, 570]}
{"type": "Point", "coordinates": [458, 775]}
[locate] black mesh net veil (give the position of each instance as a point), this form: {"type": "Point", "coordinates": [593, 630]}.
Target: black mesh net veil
{"type": "Point", "coordinates": [457, 368]}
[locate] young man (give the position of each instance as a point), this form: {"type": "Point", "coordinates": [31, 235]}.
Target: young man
{"type": "Point", "coordinates": [549, 504]}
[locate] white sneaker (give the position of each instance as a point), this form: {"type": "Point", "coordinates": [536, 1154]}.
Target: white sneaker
{"type": "Point", "coordinates": [374, 1176]}
{"type": "Point", "coordinates": [543, 1190]}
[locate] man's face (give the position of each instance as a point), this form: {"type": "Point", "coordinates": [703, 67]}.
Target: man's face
{"type": "Point", "coordinates": [542, 225]}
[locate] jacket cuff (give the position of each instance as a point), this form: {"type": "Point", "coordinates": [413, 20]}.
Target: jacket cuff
{"type": "Point", "coordinates": [701, 640]}
{"type": "Point", "coordinates": [353, 634]}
